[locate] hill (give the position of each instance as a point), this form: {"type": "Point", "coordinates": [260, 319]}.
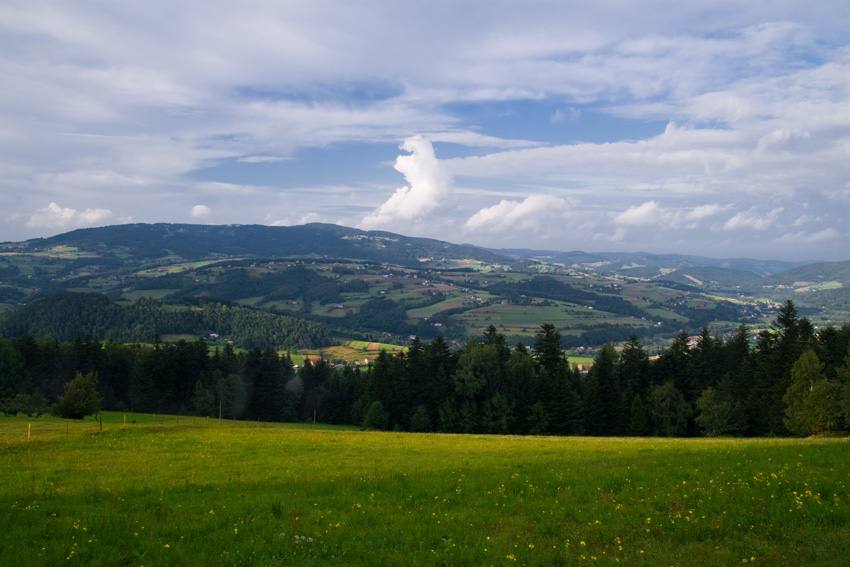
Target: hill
{"type": "Point", "coordinates": [822, 275]}
{"type": "Point", "coordinates": [384, 287]}
{"type": "Point", "coordinates": [145, 242]}
{"type": "Point", "coordinates": [712, 278]}
{"type": "Point", "coordinates": [647, 265]}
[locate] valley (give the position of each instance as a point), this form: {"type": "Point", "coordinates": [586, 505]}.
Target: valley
{"type": "Point", "coordinates": [384, 288]}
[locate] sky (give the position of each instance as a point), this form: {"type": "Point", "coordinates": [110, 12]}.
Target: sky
{"type": "Point", "coordinates": [715, 128]}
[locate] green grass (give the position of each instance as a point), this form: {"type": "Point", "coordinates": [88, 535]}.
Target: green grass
{"type": "Point", "coordinates": [152, 293]}
{"type": "Point", "coordinates": [349, 351]}
{"type": "Point", "coordinates": [586, 361]}
{"type": "Point", "coordinates": [184, 491]}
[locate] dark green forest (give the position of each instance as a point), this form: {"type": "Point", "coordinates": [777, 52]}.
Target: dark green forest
{"type": "Point", "coordinates": [789, 380]}
{"type": "Point", "coordinates": [63, 316]}
{"type": "Point", "coordinates": [153, 241]}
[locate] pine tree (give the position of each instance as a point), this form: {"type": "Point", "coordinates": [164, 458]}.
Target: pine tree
{"type": "Point", "coordinates": [203, 400]}
{"type": "Point", "coordinates": [420, 421]}
{"type": "Point", "coordinates": [547, 349]}
{"type": "Point", "coordinates": [376, 417]}
{"type": "Point", "coordinates": [719, 413]}
{"type": "Point", "coordinates": [605, 411]}
{"type": "Point", "coordinates": [668, 410]}
{"type": "Point", "coordinates": [634, 368]}
{"type": "Point", "coordinates": [13, 377]}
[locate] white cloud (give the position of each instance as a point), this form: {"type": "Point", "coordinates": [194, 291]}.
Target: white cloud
{"type": "Point", "coordinates": [262, 159]}
{"type": "Point", "coordinates": [308, 218]}
{"type": "Point", "coordinates": [571, 114]}
{"type": "Point", "coordinates": [304, 219]}
{"type": "Point", "coordinates": [749, 219]}
{"type": "Point", "coordinates": [703, 211]}
{"type": "Point", "coordinates": [429, 187]}
{"type": "Point", "coordinates": [140, 106]}
{"type": "Point", "coordinates": [229, 188]}
{"type": "Point", "coordinates": [201, 211]}
{"type": "Point", "coordinates": [54, 216]}
{"type": "Point", "coordinates": [535, 213]}
{"type": "Point", "coordinates": [616, 236]}
{"type": "Point", "coordinates": [807, 238]}
{"type": "Point", "coordinates": [652, 213]}
{"type": "Point", "coordinates": [647, 213]}
{"type": "Point", "coordinates": [475, 139]}
{"type": "Point", "coordinates": [804, 219]}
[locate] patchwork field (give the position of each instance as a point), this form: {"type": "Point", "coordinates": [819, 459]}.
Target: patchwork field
{"type": "Point", "coordinates": [348, 351]}
{"type": "Point", "coordinates": [185, 491]}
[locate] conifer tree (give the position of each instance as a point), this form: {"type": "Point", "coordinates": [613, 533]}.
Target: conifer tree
{"type": "Point", "coordinates": [80, 398]}
{"type": "Point", "coordinates": [812, 403]}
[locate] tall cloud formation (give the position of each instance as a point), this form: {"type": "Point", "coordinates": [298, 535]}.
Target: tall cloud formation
{"type": "Point", "coordinates": [429, 187]}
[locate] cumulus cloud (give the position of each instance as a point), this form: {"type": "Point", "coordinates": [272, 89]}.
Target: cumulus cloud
{"type": "Point", "coordinates": [303, 219]}
{"type": "Point", "coordinates": [652, 213]}
{"type": "Point", "coordinates": [750, 219]}
{"type": "Point", "coordinates": [429, 186]}
{"type": "Point", "coordinates": [647, 213]}
{"type": "Point", "coordinates": [534, 213]}
{"type": "Point", "coordinates": [616, 236]}
{"type": "Point", "coordinates": [806, 237]}
{"type": "Point", "coordinates": [200, 211]}
{"type": "Point", "coordinates": [755, 100]}
{"type": "Point", "coordinates": [703, 211]}
{"type": "Point", "coordinates": [54, 216]}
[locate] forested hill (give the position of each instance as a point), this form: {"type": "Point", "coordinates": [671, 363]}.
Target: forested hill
{"type": "Point", "coordinates": [648, 265]}
{"type": "Point", "coordinates": [72, 315]}
{"type": "Point", "coordinates": [796, 381]}
{"type": "Point", "coordinates": [152, 241]}
{"type": "Point", "coordinates": [810, 275]}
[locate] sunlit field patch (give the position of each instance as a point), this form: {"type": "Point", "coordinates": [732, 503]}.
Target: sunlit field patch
{"type": "Point", "coordinates": [169, 490]}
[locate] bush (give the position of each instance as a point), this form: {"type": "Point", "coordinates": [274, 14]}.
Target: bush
{"type": "Point", "coordinates": [30, 406]}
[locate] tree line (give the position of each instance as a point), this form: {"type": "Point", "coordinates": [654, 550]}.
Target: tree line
{"type": "Point", "coordinates": [62, 316]}
{"type": "Point", "coordinates": [792, 380]}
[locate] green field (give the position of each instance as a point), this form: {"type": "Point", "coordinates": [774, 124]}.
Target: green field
{"type": "Point", "coordinates": [348, 351]}
{"type": "Point", "coordinates": [152, 293]}
{"type": "Point", "coordinates": [185, 491]}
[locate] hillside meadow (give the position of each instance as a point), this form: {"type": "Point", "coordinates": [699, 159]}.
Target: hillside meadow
{"type": "Point", "coordinates": [163, 490]}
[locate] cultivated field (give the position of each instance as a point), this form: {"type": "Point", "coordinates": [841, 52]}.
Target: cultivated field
{"type": "Point", "coordinates": [184, 491]}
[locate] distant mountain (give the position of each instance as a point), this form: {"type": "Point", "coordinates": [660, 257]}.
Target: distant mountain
{"type": "Point", "coordinates": [713, 278]}
{"type": "Point", "coordinates": [356, 283]}
{"type": "Point", "coordinates": [647, 265]}
{"type": "Point", "coordinates": [821, 273]}
{"type": "Point", "coordinates": [153, 241]}
{"type": "Point", "coordinates": [146, 242]}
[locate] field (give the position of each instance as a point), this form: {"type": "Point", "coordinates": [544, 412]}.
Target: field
{"type": "Point", "coordinates": [348, 351]}
{"type": "Point", "coordinates": [184, 491]}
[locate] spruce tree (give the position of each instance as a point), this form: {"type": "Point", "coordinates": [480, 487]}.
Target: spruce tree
{"type": "Point", "coordinates": [80, 398]}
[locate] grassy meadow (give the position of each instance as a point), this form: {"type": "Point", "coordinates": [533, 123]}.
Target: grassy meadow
{"type": "Point", "coordinates": [163, 490]}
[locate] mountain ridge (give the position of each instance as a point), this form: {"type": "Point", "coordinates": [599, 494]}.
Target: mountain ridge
{"type": "Point", "coordinates": [323, 239]}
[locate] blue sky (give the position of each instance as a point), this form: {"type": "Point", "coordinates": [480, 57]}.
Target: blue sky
{"type": "Point", "coordinates": [715, 128]}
